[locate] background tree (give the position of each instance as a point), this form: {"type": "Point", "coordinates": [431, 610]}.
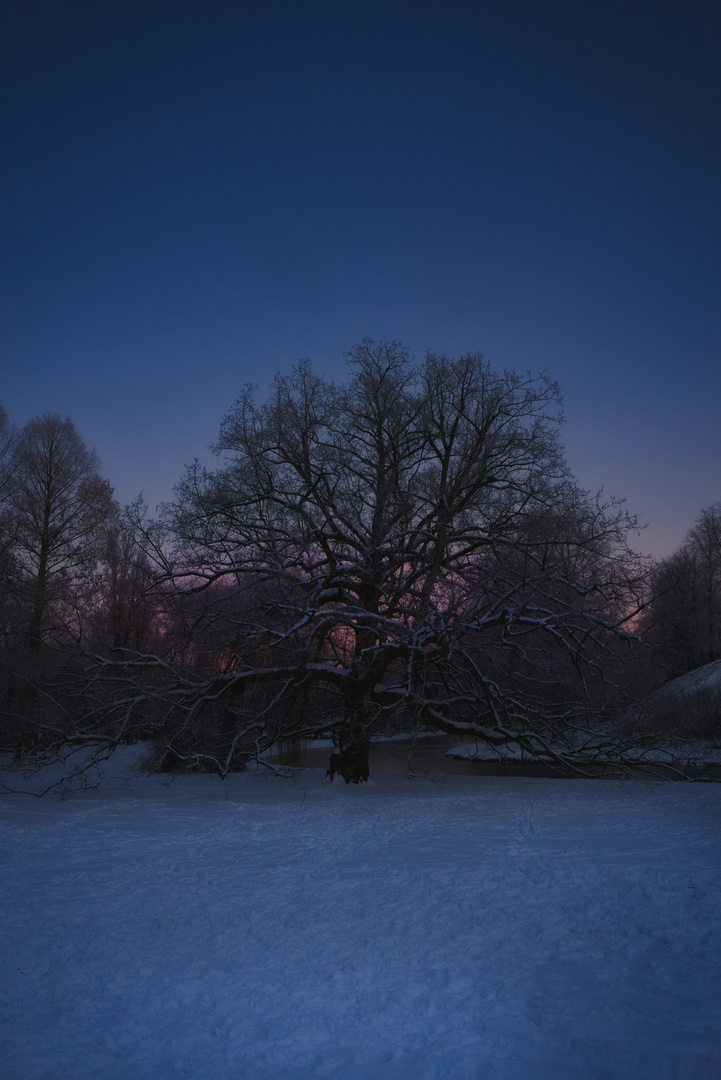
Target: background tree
{"type": "Point", "coordinates": [409, 544]}
{"type": "Point", "coordinates": [61, 508]}
{"type": "Point", "coordinates": [7, 561]}
{"type": "Point", "coordinates": [126, 616]}
{"type": "Point", "coordinates": [684, 618]}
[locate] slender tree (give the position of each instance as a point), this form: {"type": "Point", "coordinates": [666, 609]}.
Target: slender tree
{"type": "Point", "coordinates": [61, 508]}
{"type": "Point", "coordinates": [684, 617]}
{"type": "Point", "coordinates": [126, 616]}
{"type": "Point", "coordinates": [7, 530]}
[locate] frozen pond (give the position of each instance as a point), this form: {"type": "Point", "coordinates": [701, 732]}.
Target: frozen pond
{"type": "Point", "coordinates": [424, 755]}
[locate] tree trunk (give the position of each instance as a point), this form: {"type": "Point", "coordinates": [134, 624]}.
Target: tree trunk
{"type": "Point", "coordinates": [352, 759]}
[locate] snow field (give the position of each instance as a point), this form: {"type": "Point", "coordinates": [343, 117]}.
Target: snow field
{"type": "Point", "coordinates": [478, 927]}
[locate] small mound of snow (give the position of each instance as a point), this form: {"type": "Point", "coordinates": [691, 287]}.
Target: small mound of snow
{"type": "Point", "coordinates": [696, 753]}
{"type": "Point", "coordinates": [76, 768]}
{"type": "Point", "coordinates": [707, 677]}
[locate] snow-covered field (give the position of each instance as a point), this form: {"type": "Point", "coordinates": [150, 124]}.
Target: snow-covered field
{"type": "Point", "coordinates": [478, 927]}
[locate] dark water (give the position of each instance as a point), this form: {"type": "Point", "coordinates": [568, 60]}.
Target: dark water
{"type": "Point", "coordinates": [424, 755]}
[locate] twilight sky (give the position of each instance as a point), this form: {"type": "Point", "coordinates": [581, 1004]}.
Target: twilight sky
{"type": "Point", "coordinates": [196, 194]}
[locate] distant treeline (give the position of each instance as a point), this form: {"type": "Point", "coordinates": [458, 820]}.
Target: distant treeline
{"type": "Point", "coordinates": [408, 548]}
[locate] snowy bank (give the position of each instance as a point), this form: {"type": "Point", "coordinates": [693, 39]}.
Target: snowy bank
{"type": "Point", "coordinates": [699, 754]}
{"type": "Point", "coordinates": [707, 677]}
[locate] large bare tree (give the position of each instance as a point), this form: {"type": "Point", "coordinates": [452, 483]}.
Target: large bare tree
{"type": "Point", "coordinates": [406, 545]}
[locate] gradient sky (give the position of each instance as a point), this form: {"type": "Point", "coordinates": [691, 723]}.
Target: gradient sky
{"type": "Point", "coordinates": [197, 194]}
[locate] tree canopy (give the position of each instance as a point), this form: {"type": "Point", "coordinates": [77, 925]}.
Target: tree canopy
{"type": "Point", "coordinates": [406, 546]}
{"type": "Point", "coordinates": [403, 550]}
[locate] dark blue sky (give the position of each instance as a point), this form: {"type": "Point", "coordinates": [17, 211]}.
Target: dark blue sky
{"type": "Point", "coordinates": [195, 195]}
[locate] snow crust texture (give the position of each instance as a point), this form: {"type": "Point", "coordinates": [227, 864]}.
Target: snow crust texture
{"type": "Point", "coordinates": [480, 928]}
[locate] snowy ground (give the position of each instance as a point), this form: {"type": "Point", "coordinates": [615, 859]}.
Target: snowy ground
{"type": "Point", "coordinates": [478, 928]}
